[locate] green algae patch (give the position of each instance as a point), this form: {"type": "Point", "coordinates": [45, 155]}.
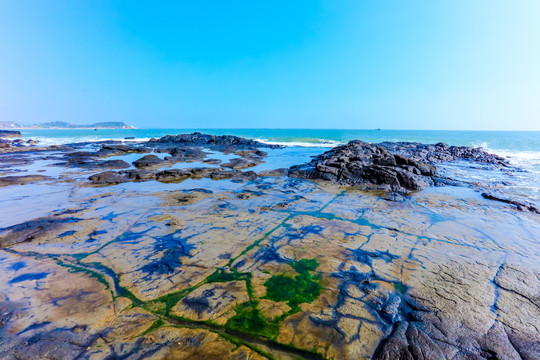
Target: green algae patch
{"type": "Point", "coordinates": [220, 275]}
{"type": "Point", "coordinates": [92, 274]}
{"type": "Point", "coordinates": [164, 304]}
{"type": "Point", "coordinates": [303, 288]}
{"type": "Point", "coordinates": [249, 319]}
{"type": "Point", "coordinates": [156, 325]}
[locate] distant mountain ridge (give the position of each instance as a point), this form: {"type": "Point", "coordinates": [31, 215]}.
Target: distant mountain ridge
{"type": "Point", "coordinates": [66, 125]}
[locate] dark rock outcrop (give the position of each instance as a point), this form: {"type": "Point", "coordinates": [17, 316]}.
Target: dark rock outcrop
{"type": "Point", "coordinates": [212, 140]}
{"type": "Point", "coordinates": [21, 180]}
{"type": "Point", "coordinates": [435, 153]}
{"type": "Point", "coordinates": [10, 133]}
{"type": "Point", "coordinates": [367, 166]}
{"type": "Point", "coordinates": [107, 178]}
{"type": "Point", "coordinates": [520, 205]}
{"type": "Point", "coordinates": [113, 164]}
{"type": "Point", "coordinates": [242, 163]}
{"type": "Point", "coordinates": [138, 174]}
{"type": "Point", "coordinates": [172, 175]}
{"type": "Point", "coordinates": [148, 161]}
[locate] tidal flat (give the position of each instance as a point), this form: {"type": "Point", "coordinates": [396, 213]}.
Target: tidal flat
{"type": "Point", "coordinates": [197, 248]}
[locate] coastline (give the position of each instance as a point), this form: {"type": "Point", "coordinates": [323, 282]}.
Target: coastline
{"type": "Point", "coordinates": [207, 240]}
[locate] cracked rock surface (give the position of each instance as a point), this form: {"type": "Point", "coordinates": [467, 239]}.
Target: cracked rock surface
{"type": "Point", "coordinates": [215, 263]}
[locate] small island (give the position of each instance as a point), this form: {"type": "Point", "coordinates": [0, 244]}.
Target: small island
{"type": "Point", "coordinates": [66, 125]}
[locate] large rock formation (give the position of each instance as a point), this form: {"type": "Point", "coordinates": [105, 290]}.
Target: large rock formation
{"type": "Point", "coordinates": [369, 166]}
{"type": "Point", "coordinates": [216, 140]}
{"type": "Point", "coordinates": [9, 134]}
{"type": "Point", "coordinates": [434, 153]}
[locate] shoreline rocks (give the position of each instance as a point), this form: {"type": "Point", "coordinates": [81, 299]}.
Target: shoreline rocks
{"type": "Point", "coordinates": [368, 166]}
{"type": "Point", "coordinates": [440, 152]}
{"type": "Point", "coordinates": [198, 138]}
{"type": "Point", "coordinates": [10, 134]}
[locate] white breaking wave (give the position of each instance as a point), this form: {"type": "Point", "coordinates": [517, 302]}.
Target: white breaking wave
{"type": "Point", "coordinates": [47, 141]}
{"type": "Point", "coordinates": [528, 160]}
{"type": "Point", "coordinates": [322, 143]}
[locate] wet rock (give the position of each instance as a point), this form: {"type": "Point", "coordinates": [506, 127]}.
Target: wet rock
{"type": "Point", "coordinates": [434, 153]}
{"type": "Point", "coordinates": [78, 158]}
{"type": "Point", "coordinates": [30, 230]}
{"type": "Point", "coordinates": [242, 163]}
{"type": "Point", "coordinates": [121, 149]}
{"type": "Point", "coordinates": [199, 173]}
{"type": "Point", "coordinates": [520, 205]}
{"type": "Point", "coordinates": [107, 178]}
{"type": "Point", "coordinates": [222, 174]}
{"type": "Point", "coordinates": [275, 172]}
{"type": "Point", "coordinates": [368, 166]}
{"type": "Point", "coordinates": [197, 138]}
{"type": "Point", "coordinates": [138, 174]}
{"type": "Point", "coordinates": [113, 164]}
{"type": "Point", "coordinates": [172, 175]}
{"type": "Point", "coordinates": [21, 180]}
{"type": "Point", "coordinates": [244, 176]}
{"type": "Point", "coordinates": [213, 301]}
{"type": "Point", "coordinates": [10, 133]}
{"type": "Point", "coordinates": [185, 153]}
{"type": "Point", "coordinates": [148, 161]}
{"type": "Point", "coordinates": [212, 161]}
{"type": "Point", "coordinates": [251, 153]}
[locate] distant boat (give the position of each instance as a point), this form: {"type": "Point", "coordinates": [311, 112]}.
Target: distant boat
{"type": "Point", "coordinates": [378, 129]}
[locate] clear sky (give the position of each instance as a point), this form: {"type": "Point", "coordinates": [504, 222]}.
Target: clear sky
{"type": "Point", "coordinates": [364, 64]}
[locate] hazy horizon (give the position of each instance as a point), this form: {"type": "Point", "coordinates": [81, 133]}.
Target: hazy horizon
{"type": "Point", "coordinates": [305, 65]}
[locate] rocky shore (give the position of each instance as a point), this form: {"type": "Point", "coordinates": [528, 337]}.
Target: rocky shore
{"type": "Point", "coordinates": [185, 247]}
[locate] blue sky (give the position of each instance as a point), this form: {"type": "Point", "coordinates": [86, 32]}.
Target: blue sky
{"type": "Point", "coordinates": [457, 64]}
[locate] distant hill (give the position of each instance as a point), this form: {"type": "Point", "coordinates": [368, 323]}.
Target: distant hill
{"type": "Point", "coordinates": [66, 125]}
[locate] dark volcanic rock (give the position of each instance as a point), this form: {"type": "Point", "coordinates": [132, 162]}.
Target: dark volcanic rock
{"type": "Point", "coordinates": [274, 172]}
{"type": "Point", "coordinates": [185, 154]}
{"type": "Point", "coordinates": [28, 231]}
{"type": "Point", "coordinates": [367, 165]}
{"type": "Point", "coordinates": [518, 204]}
{"type": "Point", "coordinates": [148, 161]}
{"type": "Point", "coordinates": [223, 174]}
{"type": "Point", "coordinates": [10, 133]}
{"type": "Point", "coordinates": [138, 174]}
{"type": "Point", "coordinates": [242, 163]}
{"type": "Point", "coordinates": [113, 164]}
{"type": "Point", "coordinates": [434, 153]}
{"type": "Point", "coordinates": [107, 178]}
{"type": "Point", "coordinates": [212, 161]}
{"type": "Point", "coordinates": [172, 175]}
{"type": "Point", "coordinates": [212, 140]}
